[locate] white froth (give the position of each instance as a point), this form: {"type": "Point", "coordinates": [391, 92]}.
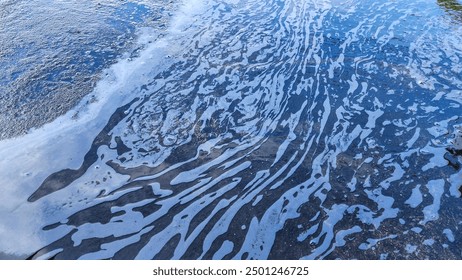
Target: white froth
{"type": "Point", "coordinates": [244, 86]}
{"type": "Point", "coordinates": [456, 182]}
{"type": "Point", "coordinates": [449, 235]}
{"type": "Point", "coordinates": [371, 242]}
{"type": "Point", "coordinates": [411, 248]}
{"type": "Point", "coordinates": [429, 242]}
{"type": "Point", "coordinates": [436, 189]}
{"type": "Point", "coordinates": [416, 197]}
{"type": "Point", "coordinates": [26, 155]}
{"type": "Point", "coordinates": [226, 248]}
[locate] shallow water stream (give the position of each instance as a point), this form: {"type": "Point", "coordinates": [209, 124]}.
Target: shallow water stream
{"type": "Point", "coordinates": [267, 129]}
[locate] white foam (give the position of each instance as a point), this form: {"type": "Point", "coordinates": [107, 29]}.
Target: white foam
{"type": "Point", "coordinates": [416, 229]}
{"type": "Point", "coordinates": [371, 242]}
{"type": "Point", "coordinates": [383, 202]}
{"type": "Point", "coordinates": [263, 97]}
{"type": "Point", "coordinates": [414, 138]}
{"type": "Point", "coordinates": [398, 173]}
{"type": "Point", "coordinates": [108, 250]}
{"type": "Point", "coordinates": [438, 157]}
{"type": "Point", "coordinates": [416, 197]}
{"type": "Point", "coordinates": [429, 242]}
{"type": "Point", "coordinates": [436, 189]}
{"type": "Point", "coordinates": [26, 161]}
{"type": "Point", "coordinates": [456, 182]}
{"type": "Point", "coordinates": [226, 248]}
{"type": "Point", "coordinates": [410, 249]}
{"type": "Point", "coordinates": [50, 254]}
{"type": "Point", "coordinates": [449, 235]}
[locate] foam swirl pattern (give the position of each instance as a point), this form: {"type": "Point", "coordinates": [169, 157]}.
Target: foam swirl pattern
{"type": "Point", "coordinates": [271, 129]}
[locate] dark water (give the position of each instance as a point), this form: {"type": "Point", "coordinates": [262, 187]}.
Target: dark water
{"type": "Point", "coordinates": [265, 129]}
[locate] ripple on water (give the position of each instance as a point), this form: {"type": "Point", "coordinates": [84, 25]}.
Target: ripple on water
{"type": "Point", "coordinates": [270, 129]}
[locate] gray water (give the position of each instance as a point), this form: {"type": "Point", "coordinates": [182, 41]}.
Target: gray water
{"type": "Point", "coordinates": [52, 53]}
{"type": "Point", "coordinates": [264, 129]}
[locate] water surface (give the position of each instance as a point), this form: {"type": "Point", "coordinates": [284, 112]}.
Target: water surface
{"type": "Point", "coordinates": [266, 129]}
